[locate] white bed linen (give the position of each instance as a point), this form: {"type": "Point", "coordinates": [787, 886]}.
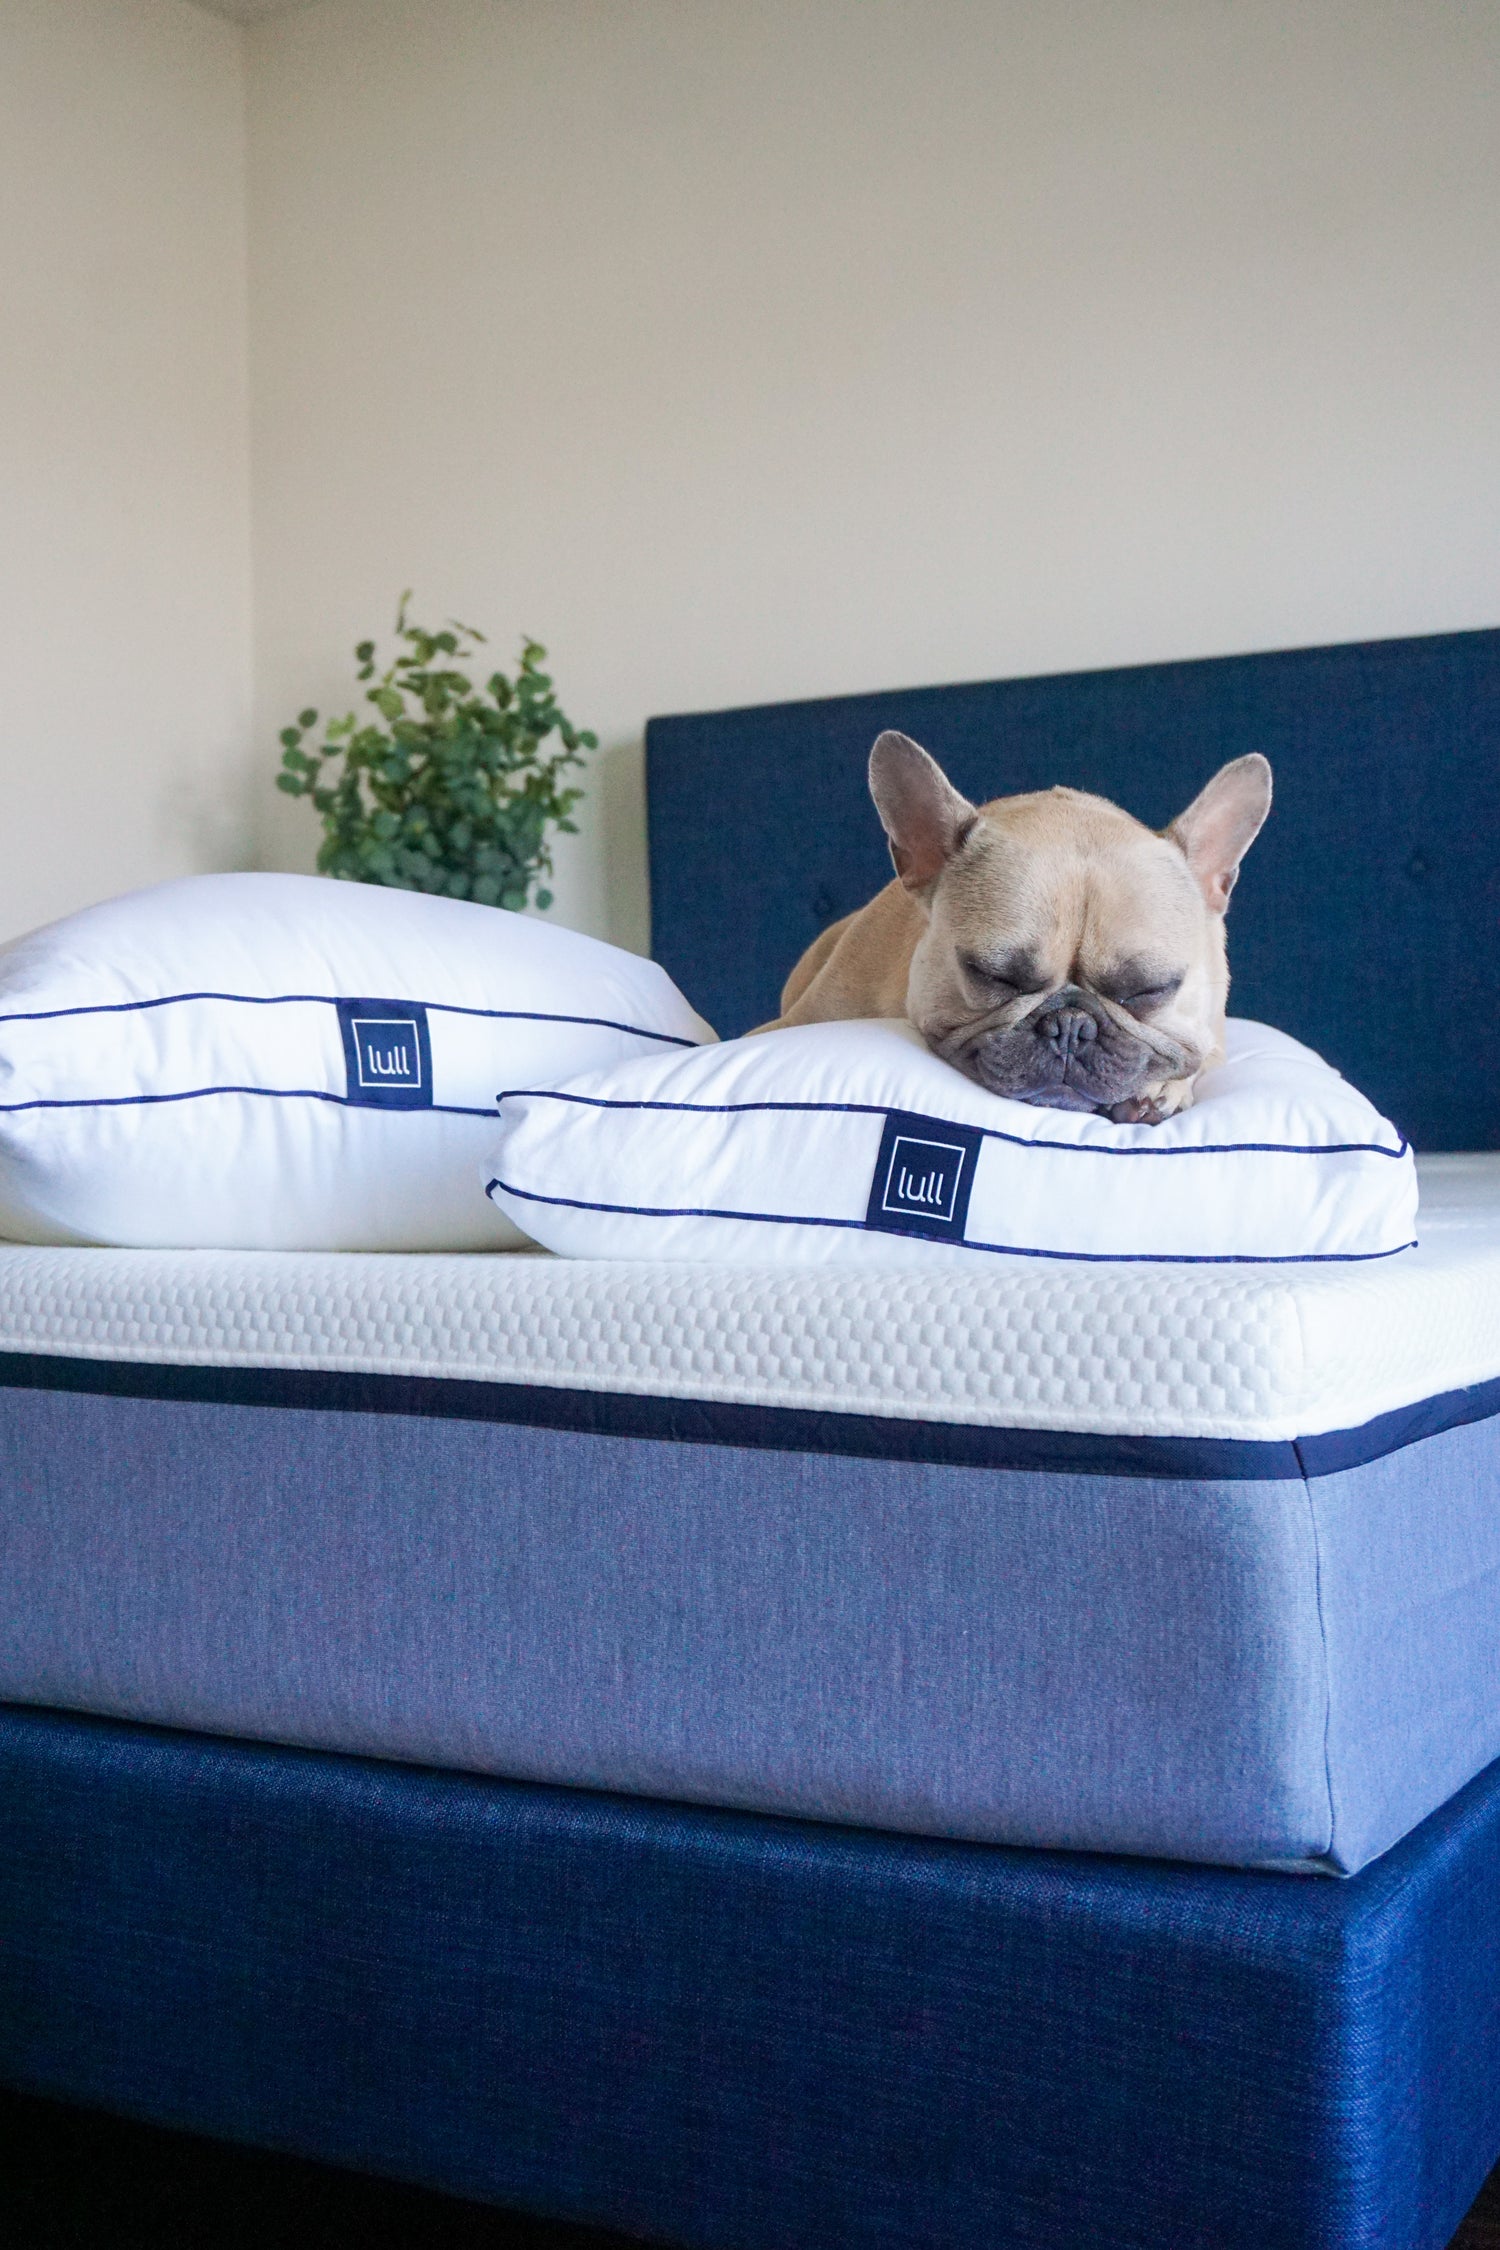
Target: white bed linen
{"type": "Point", "coordinates": [1210, 1352]}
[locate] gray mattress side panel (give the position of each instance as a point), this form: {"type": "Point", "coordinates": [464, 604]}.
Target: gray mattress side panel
{"type": "Point", "coordinates": [1106, 1663]}
{"type": "Point", "coordinates": [1410, 1560]}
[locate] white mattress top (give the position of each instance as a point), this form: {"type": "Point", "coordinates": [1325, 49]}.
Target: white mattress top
{"type": "Point", "coordinates": [1233, 1352]}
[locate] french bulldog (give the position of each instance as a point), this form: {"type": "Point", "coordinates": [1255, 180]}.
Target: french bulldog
{"type": "Point", "coordinates": [1049, 945]}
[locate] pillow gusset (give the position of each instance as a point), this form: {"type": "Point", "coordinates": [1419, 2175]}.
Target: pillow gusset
{"type": "Point", "coordinates": [285, 1062]}
{"type": "Point", "coordinates": [851, 1143]}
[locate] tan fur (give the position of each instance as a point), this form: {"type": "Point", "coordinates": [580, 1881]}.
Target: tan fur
{"type": "Point", "coordinates": [811, 962]}
{"type": "Point", "coordinates": [860, 967]}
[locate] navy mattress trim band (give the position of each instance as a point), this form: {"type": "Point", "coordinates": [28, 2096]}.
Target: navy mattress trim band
{"type": "Point", "coordinates": [778, 1429]}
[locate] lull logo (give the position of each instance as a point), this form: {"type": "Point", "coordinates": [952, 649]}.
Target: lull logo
{"type": "Point", "coordinates": [923, 1175]}
{"type": "Point", "coordinates": [387, 1054]}
{"type": "Point", "coordinates": [385, 1051]}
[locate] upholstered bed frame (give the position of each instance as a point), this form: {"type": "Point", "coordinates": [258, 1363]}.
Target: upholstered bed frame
{"type": "Point", "coordinates": [746, 2032]}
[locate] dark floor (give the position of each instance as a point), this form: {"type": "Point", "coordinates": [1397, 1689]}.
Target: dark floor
{"type": "Point", "coordinates": [72, 2180]}
{"type": "Point", "coordinates": [1481, 2229]}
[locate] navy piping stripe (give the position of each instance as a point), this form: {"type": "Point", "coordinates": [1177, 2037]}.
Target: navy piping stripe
{"type": "Point", "coordinates": [995, 1249]}
{"type": "Point", "coordinates": [266, 1093]}
{"type": "Point", "coordinates": [990, 1132]}
{"type": "Point", "coordinates": [781, 1429]}
{"type": "Point", "coordinates": [331, 1000]}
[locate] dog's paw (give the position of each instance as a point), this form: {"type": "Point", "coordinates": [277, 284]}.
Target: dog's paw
{"type": "Point", "coordinates": [1154, 1109]}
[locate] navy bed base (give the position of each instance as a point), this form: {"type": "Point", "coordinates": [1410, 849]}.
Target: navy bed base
{"type": "Point", "coordinates": [738, 2032]}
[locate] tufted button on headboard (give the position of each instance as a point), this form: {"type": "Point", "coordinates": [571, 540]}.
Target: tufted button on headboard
{"type": "Point", "coordinates": [1367, 917]}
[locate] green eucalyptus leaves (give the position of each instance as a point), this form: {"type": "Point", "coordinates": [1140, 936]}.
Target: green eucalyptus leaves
{"type": "Point", "coordinates": [452, 789]}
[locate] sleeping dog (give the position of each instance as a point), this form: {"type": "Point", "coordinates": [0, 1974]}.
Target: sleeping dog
{"type": "Point", "coordinates": [1050, 946]}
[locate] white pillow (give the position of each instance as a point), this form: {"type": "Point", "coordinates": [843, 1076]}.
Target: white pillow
{"type": "Point", "coordinates": [281, 1062]}
{"type": "Point", "coordinates": [852, 1143]}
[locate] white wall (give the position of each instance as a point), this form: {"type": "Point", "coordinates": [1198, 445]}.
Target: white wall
{"type": "Point", "coordinates": [741, 348]}
{"type": "Point", "coordinates": [746, 349]}
{"type": "Point", "coordinates": [124, 529]}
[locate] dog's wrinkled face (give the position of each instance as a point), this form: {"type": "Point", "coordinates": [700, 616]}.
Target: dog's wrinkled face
{"type": "Point", "coordinates": [1072, 957]}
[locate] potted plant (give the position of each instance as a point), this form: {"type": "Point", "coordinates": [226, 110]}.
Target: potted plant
{"type": "Point", "coordinates": [449, 788]}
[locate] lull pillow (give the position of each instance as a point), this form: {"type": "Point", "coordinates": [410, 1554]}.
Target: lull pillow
{"type": "Point", "coordinates": [281, 1062]}
{"type": "Point", "coordinates": [852, 1142]}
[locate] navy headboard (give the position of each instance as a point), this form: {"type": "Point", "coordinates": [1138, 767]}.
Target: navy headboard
{"type": "Point", "coordinates": [1367, 917]}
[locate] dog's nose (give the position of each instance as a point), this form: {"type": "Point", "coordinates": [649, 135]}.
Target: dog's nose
{"type": "Point", "coordinates": [1066, 1030]}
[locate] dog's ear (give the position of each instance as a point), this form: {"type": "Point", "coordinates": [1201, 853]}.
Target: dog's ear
{"type": "Point", "coordinates": [925, 817]}
{"type": "Point", "coordinates": [1221, 824]}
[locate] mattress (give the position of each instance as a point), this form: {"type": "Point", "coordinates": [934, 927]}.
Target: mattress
{"type": "Point", "coordinates": [1197, 1564]}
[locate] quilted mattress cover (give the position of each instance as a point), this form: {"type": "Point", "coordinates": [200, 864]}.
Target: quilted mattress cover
{"type": "Point", "coordinates": [1200, 1563]}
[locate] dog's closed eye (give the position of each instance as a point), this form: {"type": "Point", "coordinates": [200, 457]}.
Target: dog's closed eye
{"type": "Point", "coordinates": [1004, 979]}
{"type": "Point", "coordinates": [1151, 996]}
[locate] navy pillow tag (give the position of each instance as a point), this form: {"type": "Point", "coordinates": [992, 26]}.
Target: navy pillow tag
{"type": "Point", "coordinates": [387, 1054]}
{"type": "Point", "coordinates": [923, 1176]}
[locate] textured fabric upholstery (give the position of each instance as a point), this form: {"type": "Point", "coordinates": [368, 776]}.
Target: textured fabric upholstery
{"type": "Point", "coordinates": [748, 2034]}
{"type": "Point", "coordinates": [1253, 1667]}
